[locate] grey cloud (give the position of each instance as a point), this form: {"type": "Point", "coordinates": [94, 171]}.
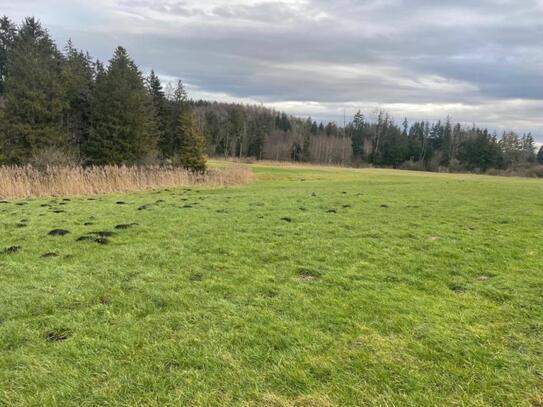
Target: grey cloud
{"type": "Point", "coordinates": [400, 52]}
{"type": "Point", "coordinates": [266, 12]}
{"type": "Point", "coordinates": [177, 8]}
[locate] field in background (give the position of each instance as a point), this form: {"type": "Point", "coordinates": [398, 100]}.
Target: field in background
{"type": "Point", "coordinates": [308, 287]}
{"type": "Point", "coordinates": [28, 182]}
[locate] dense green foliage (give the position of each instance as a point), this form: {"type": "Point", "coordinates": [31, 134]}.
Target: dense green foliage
{"type": "Point", "coordinates": [310, 288]}
{"type": "Point", "coordinates": [34, 95]}
{"type": "Point", "coordinates": [7, 36]}
{"type": "Point", "coordinates": [122, 125]}
{"type": "Point", "coordinates": [58, 107]}
{"type": "Point", "coordinates": [192, 148]}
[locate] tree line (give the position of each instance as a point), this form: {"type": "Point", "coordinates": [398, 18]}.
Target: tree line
{"type": "Point", "coordinates": [261, 133]}
{"type": "Point", "coordinates": [59, 106]}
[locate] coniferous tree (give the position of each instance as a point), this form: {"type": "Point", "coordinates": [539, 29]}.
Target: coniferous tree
{"type": "Point", "coordinates": [78, 79]}
{"type": "Point", "coordinates": [35, 100]}
{"type": "Point", "coordinates": [415, 142]}
{"type": "Point", "coordinates": [192, 146]}
{"type": "Point", "coordinates": [7, 37]}
{"type": "Point", "coordinates": [177, 104]}
{"type": "Point", "coordinates": [528, 149]}
{"type": "Point", "coordinates": [160, 110]}
{"type": "Point", "coordinates": [394, 147]}
{"type": "Point", "coordinates": [481, 151]}
{"type": "Point", "coordinates": [357, 136]}
{"type": "Point", "coordinates": [540, 155]}
{"type": "Point", "coordinates": [122, 123]}
{"type": "Point", "coordinates": [405, 124]}
{"type": "Point", "coordinates": [256, 147]}
{"type": "Point", "coordinates": [282, 122]}
{"type": "Point", "coordinates": [445, 143]}
{"type": "Point", "coordinates": [321, 128]}
{"type": "Point", "coordinates": [314, 128]}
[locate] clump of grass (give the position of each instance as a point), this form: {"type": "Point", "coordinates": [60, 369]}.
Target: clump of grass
{"type": "Point", "coordinates": [10, 250]}
{"type": "Point", "coordinates": [28, 181]}
{"type": "Point", "coordinates": [309, 274]}
{"type": "Point", "coordinates": [57, 335]}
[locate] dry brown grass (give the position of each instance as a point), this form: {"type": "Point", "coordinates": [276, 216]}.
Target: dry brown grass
{"type": "Point", "coordinates": [288, 164]}
{"type": "Point", "coordinates": [28, 182]}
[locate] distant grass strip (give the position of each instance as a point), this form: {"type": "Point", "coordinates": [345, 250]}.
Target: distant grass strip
{"type": "Point", "coordinates": [28, 181]}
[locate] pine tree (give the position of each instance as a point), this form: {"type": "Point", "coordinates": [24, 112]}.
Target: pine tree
{"type": "Point", "coordinates": [192, 148]}
{"type": "Point", "coordinates": [282, 122]}
{"type": "Point", "coordinates": [405, 125]}
{"type": "Point", "coordinates": [321, 128]}
{"type": "Point", "coordinates": [357, 136]}
{"type": "Point", "coordinates": [35, 101]}
{"type": "Point", "coordinates": [170, 143]}
{"type": "Point", "coordinates": [78, 81]}
{"type": "Point", "coordinates": [480, 151]}
{"type": "Point", "coordinates": [540, 156]}
{"type": "Point", "coordinates": [314, 128]}
{"type": "Point", "coordinates": [7, 37]}
{"type": "Point", "coordinates": [447, 137]}
{"type": "Point", "coordinates": [160, 112]}
{"type": "Point", "coordinates": [122, 125]}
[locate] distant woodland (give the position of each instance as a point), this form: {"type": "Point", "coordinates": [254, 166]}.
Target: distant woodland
{"type": "Point", "coordinates": [59, 106]}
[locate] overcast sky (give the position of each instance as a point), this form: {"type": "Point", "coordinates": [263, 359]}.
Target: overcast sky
{"type": "Point", "coordinates": [477, 61]}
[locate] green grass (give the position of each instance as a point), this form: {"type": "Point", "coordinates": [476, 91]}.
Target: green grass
{"type": "Point", "coordinates": [309, 287]}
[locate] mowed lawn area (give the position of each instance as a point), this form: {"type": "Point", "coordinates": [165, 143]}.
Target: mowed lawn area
{"type": "Point", "coordinates": [308, 287]}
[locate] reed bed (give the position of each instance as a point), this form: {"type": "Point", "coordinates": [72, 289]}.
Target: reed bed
{"type": "Point", "coordinates": [30, 182]}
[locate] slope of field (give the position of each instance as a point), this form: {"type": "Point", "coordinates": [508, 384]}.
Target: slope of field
{"type": "Point", "coordinates": [309, 287]}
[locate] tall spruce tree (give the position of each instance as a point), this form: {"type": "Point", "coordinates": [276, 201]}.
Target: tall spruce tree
{"type": "Point", "coordinates": [193, 145]}
{"type": "Point", "coordinates": [78, 77]}
{"type": "Point", "coordinates": [35, 100]}
{"type": "Point", "coordinates": [122, 123]}
{"type": "Point", "coordinates": [170, 143]}
{"type": "Point", "coordinates": [357, 136]}
{"type": "Point", "coordinates": [7, 37]}
{"type": "Point", "coordinates": [160, 110]}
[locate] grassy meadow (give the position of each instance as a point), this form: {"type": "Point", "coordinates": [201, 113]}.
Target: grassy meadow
{"type": "Point", "coordinates": [308, 287]}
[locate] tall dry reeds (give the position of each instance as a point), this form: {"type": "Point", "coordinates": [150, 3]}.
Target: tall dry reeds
{"type": "Point", "coordinates": [28, 181]}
